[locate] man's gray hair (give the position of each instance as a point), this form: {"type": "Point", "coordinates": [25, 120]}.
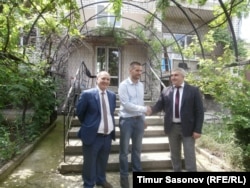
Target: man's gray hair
{"type": "Point", "coordinates": [102, 72]}
{"type": "Point", "coordinates": [180, 70]}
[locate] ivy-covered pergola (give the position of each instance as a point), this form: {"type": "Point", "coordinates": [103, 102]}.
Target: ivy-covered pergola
{"type": "Point", "coordinates": [57, 36]}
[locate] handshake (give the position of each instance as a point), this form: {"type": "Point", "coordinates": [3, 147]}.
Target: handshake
{"type": "Point", "coordinates": [149, 111]}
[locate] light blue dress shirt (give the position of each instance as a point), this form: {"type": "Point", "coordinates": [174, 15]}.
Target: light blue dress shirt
{"type": "Point", "coordinates": [131, 96]}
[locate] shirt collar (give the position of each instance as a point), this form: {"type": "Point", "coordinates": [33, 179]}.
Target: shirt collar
{"type": "Point", "coordinates": [131, 82]}
{"type": "Point", "coordinates": [100, 91]}
{"type": "Point", "coordinates": [182, 85]}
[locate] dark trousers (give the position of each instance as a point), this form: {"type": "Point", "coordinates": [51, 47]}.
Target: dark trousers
{"type": "Point", "coordinates": [95, 159]}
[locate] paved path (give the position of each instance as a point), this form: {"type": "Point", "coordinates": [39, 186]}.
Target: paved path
{"type": "Point", "coordinates": [39, 169]}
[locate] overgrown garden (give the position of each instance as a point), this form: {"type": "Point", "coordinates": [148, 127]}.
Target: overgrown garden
{"type": "Point", "coordinates": [28, 88]}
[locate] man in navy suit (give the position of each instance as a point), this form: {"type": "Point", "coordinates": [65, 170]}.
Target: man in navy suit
{"type": "Point", "coordinates": [96, 142]}
{"type": "Point", "coordinates": [186, 126]}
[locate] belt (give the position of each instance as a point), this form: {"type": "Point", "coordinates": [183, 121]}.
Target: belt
{"type": "Point", "coordinates": [101, 134]}
{"type": "Point", "coordinates": [177, 123]}
{"type": "Point", "coordinates": [133, 117]}
{"type": "Point", "coordinates": [136, 117]}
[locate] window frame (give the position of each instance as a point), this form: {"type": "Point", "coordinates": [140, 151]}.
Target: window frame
{"type": "Point", "coordinates": [107, 16]}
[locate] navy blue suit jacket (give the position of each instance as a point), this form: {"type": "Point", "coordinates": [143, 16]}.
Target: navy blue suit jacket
{"type": "Point", "coordinates": [192, 111]}
{"type": "Point", "coordinates": [89, 114]}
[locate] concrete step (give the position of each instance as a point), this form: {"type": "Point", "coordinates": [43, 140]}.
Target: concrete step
{"type": "Point", "coordinates": [147, 96]}
{"type": "Point", "coordinates": [146, 103]}
{"type": "Point", "coordinates": [150, 161]}
{"type": "Point", "coordinates": [155, 148]}
{"type": "Point", "coordinates": [151, 144]}
{"type": "Point", "coordinates": [151, 130]}
{"type": "Point", "coordinates": [118, 109]}
{"type": "Point", "coordinates": [210, 117]}
{"type": "Point", "coordinates": [150, 120]}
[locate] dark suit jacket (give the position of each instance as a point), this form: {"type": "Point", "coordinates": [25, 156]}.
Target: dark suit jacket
{"type": "Point", "coordinates": [89, 114]}
{"type": "Point", "coordinates": [192, 111]}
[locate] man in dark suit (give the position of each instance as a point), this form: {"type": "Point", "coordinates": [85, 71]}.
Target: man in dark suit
{"type": "Point", "coordinates": [185, 126]}
{"type": "Point", "coordinates": [96, 140]}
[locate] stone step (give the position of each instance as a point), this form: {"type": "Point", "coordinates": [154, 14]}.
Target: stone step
{"type": "Point", "coordinates": [155, 148]}
{"type": "Point", "coordinates": [117, 112]}
{"type": "Point", "coordinates": [74, 146]}
{"type": "Point", "coordinates": [150, 161]}
{"type": "Point", "coordinates": [150, 120]}
{"type": "Point", "coordinates": [151, 130]}
{"type": "Point", "coordinates": [147, 96]}
{"type": "Point", "coordinates": [210, 117]}
{"type": "Point", "coordinates": [146, 103]}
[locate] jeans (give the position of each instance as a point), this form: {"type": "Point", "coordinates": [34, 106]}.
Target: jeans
{"type": "Point", "coordinates": [130, 128]}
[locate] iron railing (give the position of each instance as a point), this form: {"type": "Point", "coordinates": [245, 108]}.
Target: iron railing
{"type": "Point", "coordinates": [83, 80]}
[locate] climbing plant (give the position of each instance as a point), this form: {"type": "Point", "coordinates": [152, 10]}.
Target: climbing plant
{"type": "Point", "coordinates": [225, 80]}
{"type": "Point", "coordinates": [26, 81]}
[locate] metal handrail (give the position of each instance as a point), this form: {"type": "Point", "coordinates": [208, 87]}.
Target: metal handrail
{"type": "Point", "coordinates": [80, 82]}
{"type": "Point", "coordinates": [157, 77]}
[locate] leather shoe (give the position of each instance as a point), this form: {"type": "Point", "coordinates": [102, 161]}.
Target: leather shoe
{"type": "Point", "coordinates": [124, 182]}
{"type": "Point", "coordinates": [105, 185]}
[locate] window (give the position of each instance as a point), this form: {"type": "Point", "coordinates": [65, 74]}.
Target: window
{"type": "Point", "coordinates": [105, 16]}
{"type": "Point", "coordinates": [108, 59]}
{"type": "Point", "coordinates": [183, 40]}
{"type": "Point", "coordinates": [29, 38]}
{"type": "Point", "coordinates": [165, 64]}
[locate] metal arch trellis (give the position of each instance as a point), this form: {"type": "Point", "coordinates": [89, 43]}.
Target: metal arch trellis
{"type": "Point", "coordinates": [133, 34]}
{"type": "Point", "coordinates": [119, 29]}
{"type": "Point", "coordinates": [231, 28]}
{"type": "Point", "coordinates": [130, 33]}
{"type": "Point", "coordinates": [163, 24]}
{"type": "Point", "coordinates": [195, 30]}
{"type": "Point", "coordinates": [65, 38]}
{"type": "Point", "coordinates": [99, 2]}
{"type": "Point", "coordinates": [155, 17]}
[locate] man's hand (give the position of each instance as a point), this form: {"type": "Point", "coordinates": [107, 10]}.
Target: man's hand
{"type": "Point", "coordinates": [196, 135]}
{"type": "Point", "coordinates": [149, 111]}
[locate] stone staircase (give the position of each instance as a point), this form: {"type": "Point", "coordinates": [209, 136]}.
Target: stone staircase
{"type": "Point", "coordinates": [155, 151]}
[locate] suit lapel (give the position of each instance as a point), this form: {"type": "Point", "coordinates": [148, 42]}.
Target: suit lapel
{"type": "Point", "coordinates": [97, 98]}
{"type": "Point", "coordinates": [172, 95]}
{"type": "Point", "coordinates": [184, 94]}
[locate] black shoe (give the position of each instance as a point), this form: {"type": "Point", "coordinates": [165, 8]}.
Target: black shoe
{"type": "Point", "coordinates": [124, 182]}
{"type": "Point", "coordinates": [105, 185]}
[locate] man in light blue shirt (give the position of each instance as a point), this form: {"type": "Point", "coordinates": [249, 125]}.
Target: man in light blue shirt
{"type": "Point", "coordinates": [132, 121]}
